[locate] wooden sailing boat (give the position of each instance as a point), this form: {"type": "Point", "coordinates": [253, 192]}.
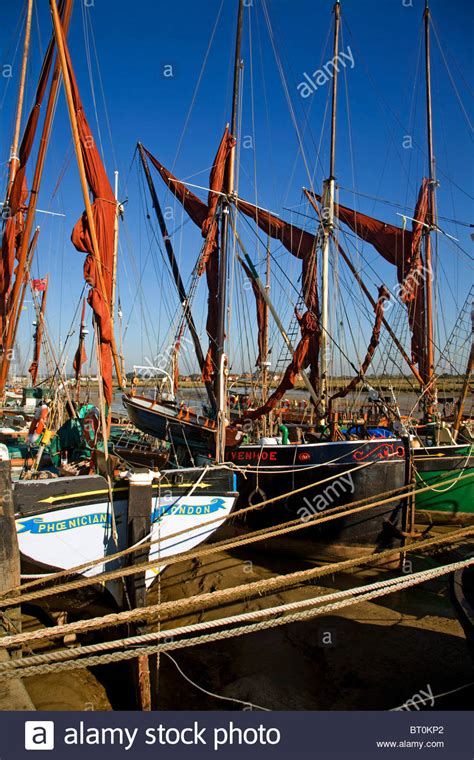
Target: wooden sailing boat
{"type": "Point", "coordinates": [74, 520]}
{"type": "Point", "coordinates": [273, 467]}
{"type": "Point", "coordinates": [437, 455]}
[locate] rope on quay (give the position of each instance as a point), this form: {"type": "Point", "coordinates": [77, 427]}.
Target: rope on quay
{"type": "Point", "coordinates": [51, 661]}
{"type": "Point", "coordinates": [249, 538]}
{"type": "Point", "coordinates": [211, 599]}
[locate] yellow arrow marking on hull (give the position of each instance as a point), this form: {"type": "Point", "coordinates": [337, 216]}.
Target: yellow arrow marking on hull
{"type": "Point", "coordinates": [100, 491]}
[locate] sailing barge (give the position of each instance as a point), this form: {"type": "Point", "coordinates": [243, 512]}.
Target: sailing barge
{"type": "Point", "coordinates": [269, 466]}
{"type": "Point", "coordinates": [75, 523]}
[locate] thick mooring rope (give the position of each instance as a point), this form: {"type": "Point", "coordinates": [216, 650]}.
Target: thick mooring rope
{"type": "Point", "coordinates": [51, 661]}
{"type": "Point", "coordinates": [222, 596]}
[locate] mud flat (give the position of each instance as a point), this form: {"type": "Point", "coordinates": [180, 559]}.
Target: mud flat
{"type": "Point", "coordinates": [371, 656]}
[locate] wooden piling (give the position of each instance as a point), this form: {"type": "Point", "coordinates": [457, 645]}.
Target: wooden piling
{"type": "Point", "coordinates": [13, 694]}
{"type": "Point", "coordinates": [139, 524]}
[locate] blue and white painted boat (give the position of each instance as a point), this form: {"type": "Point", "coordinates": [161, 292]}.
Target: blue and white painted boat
{"type": "Point", "coordinates": [63, 523]}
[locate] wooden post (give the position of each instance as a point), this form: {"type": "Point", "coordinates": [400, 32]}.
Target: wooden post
{"type": "Point", "coordinates": [13, 695]}
{"type": "Point", "coordinates": [139, 525]}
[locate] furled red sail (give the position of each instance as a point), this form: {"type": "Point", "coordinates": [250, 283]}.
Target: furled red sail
{"type": "Point", "coordinates": [104, 211]}
{"type": "Point", "coordinates": [204, 216]}
{"type": "Point", "coordinates": [14, 211]}
{"type": "Point", "coordinates": [262, 313]}
{"type": "Point", "coordinates": [38, 286]}
{"type": "Point", "coordinates": [402, 248]}
{"type": "Point", "coordinates": [383, 296]}
{"type": "Point", "coordinates": [301, 358]}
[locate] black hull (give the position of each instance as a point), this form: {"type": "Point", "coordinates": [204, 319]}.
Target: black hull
{"type": "Point", "coordinates": [326, 484]}
{"type": "Point", "coordinates": [353, 471]}
{"type": "Point", "coordinates": [164, 423]}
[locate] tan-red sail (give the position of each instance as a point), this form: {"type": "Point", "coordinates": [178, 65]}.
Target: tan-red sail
{"type": "Point", "coordinates": [104, 212]}
{"type": "Point", "coordinates": [309, 326]}
{"type": "Point", "coordinates": [16, 202]}
{"type": "Point", "coordinates": [204, 216]}
{"type": "Point", "coordinates": [210, 253]}
{"type": "Point", "coordinates": [262, 313]}
{"type": "Point", "coordinates": [38, 286]}
{"type": "Point", "coordinates": [402, 248]}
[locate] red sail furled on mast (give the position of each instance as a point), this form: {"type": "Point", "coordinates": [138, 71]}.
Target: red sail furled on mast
{"type": "Point", "coordinates": [401, 248]}
{"type": "Point", "coordinates": [210, 255]}
{"type": "Point", "coordinates": [38, 286]}
{"type": "Point", "coordinates": [262, 313]}
{"type": "Point", "coordinates": [383, 296]}
{"type": "Point", "coordinates": [204, 216]}
{"type": "Point", "coordinates": [16, 202]}
{"type": "Point", "coordinates": [104, 212]}
{"type": "Point", "coordinates": [301, 359]}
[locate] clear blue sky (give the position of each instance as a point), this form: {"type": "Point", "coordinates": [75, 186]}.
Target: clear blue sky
{"type": "Point", "coordinates": [384, 90]}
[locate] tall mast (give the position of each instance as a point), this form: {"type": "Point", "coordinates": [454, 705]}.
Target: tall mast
{"type": "Point", "coordinates": [58, 31]}
{"type": "Point", "coordinates": [14, 158]}
{"type": "Point", "coordinates": [183, 296]}
{"type": "Point", "coordinates": [221, 370]}
{"type": "Point", "coordinates": [79, 354]}
{"type": "Point", "coordinates": [26, 276]}
{"type": "Point", "coordinates": [39, 328]}
{"type": "Point", "coordinates": [114, 265]}
{"type": "Point", "coordinates": [264, 358]}
{"type": "Point", "coordinates": [431, 215]}
{"type": "Point", "coordinates": [328, 224]}
{"type": "Point", "coordinates": [30, 215]}
{"type": "Point", "coordinates": [264, 363]}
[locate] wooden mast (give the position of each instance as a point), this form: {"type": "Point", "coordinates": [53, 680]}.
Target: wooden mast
{"type": "Point", "coordinates": [264, 363]}
{"type": "Point", "coordinates": [40, 312]}
{"type": "Point", "coordinates": [82, 335]}
{"type": "Point", "coordinates": [369, 296]}
{"type": "Point", "coordinates": [183, 296]}
{"type": "Point", "coordinates": [116, 236]}
{"type": "Point", "coordinates": [26, 275]}
{"type": "Point", "coordinates": [328, 225]}
{"type": "Point", "coordinates": [14, 158]}
{"type": "Point", "coordinates": [429, 370]}
{"type": "Point", "coordinates": [221, 391]}
{"type": "Point", "coordinates": [30, 216]}
{"type": "Point", "coordinates": [82, 173]}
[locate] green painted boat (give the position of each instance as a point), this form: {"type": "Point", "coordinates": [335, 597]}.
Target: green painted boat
{"type": "Point", "coordinates": [445, 503]}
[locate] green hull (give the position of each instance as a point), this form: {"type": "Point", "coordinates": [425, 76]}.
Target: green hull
{"type": "Point", "coordinates": [454, 500]}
